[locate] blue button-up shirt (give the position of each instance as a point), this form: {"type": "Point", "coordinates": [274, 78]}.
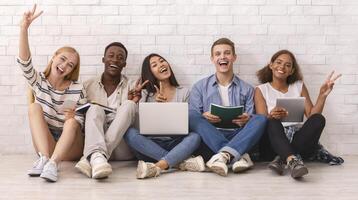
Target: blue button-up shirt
{"type": "Point", "coordinates": [206, 91]}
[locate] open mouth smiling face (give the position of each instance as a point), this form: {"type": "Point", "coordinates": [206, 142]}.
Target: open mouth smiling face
{"type": "Point", "coordinates": [160, 68]}
{"type": "Point", "coordinates": [163, 69]}
{"type": "Point", "coordinates": [114, 61]}
{"type": "Point", "coordinates": [282, 67]}
{"type": "Point", "coordinates": [63, 64]}
{"type": "Point", "coordinates": [223, 58]}
{"type": "Point", "coordinates": [223, 63]}
{"type": "Point", "coordinates": [113, 69]}
{"type": "Point", "coordinates": [60, 70]}
{"type": "Point", "coordinates": [114, 66]}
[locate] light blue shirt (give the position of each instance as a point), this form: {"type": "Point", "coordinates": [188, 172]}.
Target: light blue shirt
{"type": "Point", "coordinates": [206, 91]}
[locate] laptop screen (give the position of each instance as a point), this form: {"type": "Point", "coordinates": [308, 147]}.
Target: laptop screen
{"type": "Point", "coordinates": [163, 118]}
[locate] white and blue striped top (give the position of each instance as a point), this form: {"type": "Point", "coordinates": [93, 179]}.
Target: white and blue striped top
{"type": "Point", "coordinates": [50, 99]}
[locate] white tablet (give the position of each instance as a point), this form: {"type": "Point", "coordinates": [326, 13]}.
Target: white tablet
{"type": "Point", "coordinates": [295, 107]}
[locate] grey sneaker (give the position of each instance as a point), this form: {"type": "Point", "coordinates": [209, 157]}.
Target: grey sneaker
{"type": "Point", "coordinates": [217, 163]}
{"type": "Point", "coordinates": [49, 173]}
{"type": "Point", "coordinates": [245, 163]}
{"type": "Point", "coordinates": [277, 165]}
{"type": "Point", "coordinates": [147, 170]}
{"type": "Point", "coordinates": [298, 169]}
{"type": "Point", "coordinates": [195, 164]}
{"type": "Point", "coordinates": [100, 167]}
{"type": "Point", "coordinates": [84, 167]}
{"type": "Point", "coordinates": [38, 166]}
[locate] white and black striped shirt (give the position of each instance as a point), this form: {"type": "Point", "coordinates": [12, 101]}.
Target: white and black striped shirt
{"type": "Point", "coordinates": [51, 100]}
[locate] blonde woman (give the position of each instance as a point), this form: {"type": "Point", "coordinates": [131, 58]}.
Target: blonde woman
{"type": "Point", "coordinates": [55, 127]}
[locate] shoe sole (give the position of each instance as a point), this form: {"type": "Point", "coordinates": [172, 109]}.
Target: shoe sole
{"type": "Point", "coordinates": [102, 171]}
{"type": "Point", "coordinates": [299, 173]}
{"type": "Point", "coordinates": [84, 169]}
{"type": "Point", "coordinates": [241, 169]}
{"type": "Point", "coordinates": [276, 169]}
{"type": "Point", "coordinates": [49, 178]}
{"type": "Point", "coordinates": [218, 170]}
{"type": "Point", "coordinates": [34, 173]}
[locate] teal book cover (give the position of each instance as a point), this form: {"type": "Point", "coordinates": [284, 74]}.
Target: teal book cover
{"type": "Point", "coordinates": [226, 114]}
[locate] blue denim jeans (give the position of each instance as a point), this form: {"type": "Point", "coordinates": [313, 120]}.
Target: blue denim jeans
{"type": "Point", "coordinates": [236, 142]}
{"type": "Point", "coordinates": [173, 150]}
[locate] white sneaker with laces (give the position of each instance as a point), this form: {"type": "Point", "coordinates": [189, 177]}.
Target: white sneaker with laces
{"type": "Point", "coordinates": [194, 164]}
{"type": "Point", "coordinates": [49, 173]}
{"type": "Point", "coordinates": [217, 163]}
{"type": "Point", "coordinates": [243, 164]}
{"type": "Point", "coordinates": [38, 166]}
{"type": "Point", "coordinates": [84, 167]}
{"type": "Point", "coordinates": [147, 170]}
{"type": "Point", "coordinates": [100, 167]}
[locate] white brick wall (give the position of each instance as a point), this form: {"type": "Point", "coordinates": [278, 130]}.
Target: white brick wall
{"type": "Point", "coordinates": [322, 33]}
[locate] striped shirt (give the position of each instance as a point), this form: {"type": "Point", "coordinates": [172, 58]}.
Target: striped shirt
{"type": "Point", "coordinates": [50, 99]}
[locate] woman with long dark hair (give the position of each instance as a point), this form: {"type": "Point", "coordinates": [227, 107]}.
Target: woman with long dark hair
{"type": "Point", "coordinates": [282, 77]}
{"type": "Point", "coordinates": [162, 153]}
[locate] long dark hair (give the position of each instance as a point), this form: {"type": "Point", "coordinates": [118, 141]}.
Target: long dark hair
{"type": "Point", "coordinates": [148, 75]}
{"type": "Point", "coordinates": [265, 74]}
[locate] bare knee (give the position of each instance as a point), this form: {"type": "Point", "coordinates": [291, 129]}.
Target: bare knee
{"type": "Point", "coordinates": [71, 123]}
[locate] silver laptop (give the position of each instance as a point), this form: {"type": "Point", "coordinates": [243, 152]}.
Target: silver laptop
{"type": "Point", "coordinates": [163, 118]}
{"type": "Point", "coordinates": [295, 107]}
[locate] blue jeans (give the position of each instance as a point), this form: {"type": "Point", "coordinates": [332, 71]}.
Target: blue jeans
{"type": "Point", "coordinates": [236, 142]}
{"type": "Point", "coordinates": [172, 150]}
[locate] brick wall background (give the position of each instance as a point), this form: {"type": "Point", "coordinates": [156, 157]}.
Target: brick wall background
{"type": "Point", "coordinates": [321, 33]}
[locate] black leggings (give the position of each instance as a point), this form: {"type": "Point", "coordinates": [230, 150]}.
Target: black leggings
{"type": "Point", "coordinates": [304, 141]}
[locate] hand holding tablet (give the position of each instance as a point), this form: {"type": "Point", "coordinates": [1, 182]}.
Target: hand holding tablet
{"type": "Point", "coordinates": [294, 106]}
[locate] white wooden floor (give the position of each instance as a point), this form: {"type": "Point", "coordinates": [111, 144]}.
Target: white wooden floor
{"type": "Point", "coordinates": [323, 182]}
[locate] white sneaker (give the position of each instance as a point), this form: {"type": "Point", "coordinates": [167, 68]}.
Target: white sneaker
{"type": "Point", "coordinates": [84, 167]}
{"type": "Point", "coordinates": [38, 166]}
{"type": "Point", "coordinates": [217, 163]}
{"type": "Point", "coordinates": [195, 164]}
{"type": "Point", "coordinates": [147, 170]}
{"type": "Point", "coordinates": [49, 173]}
{"type": "Point", "coordinates": [243, 164]}
{"type": "Point", "coordinates": [100, 167]}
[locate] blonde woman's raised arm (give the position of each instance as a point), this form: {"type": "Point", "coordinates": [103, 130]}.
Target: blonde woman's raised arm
{"type": "Point", "coordinates": [27, 19]}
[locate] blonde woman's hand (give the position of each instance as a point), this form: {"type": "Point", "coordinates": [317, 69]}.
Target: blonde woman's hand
{"type": "Point", "coordinates": [28, 17]}
{"type": "Point", "coordinates": [327, 86]}
{"type": "Point", "coordinates": [159, 96]}
{"type": "Point", "coordinates": [69, 113]}
{"type": "Point", "coordinates": [278, 113]}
